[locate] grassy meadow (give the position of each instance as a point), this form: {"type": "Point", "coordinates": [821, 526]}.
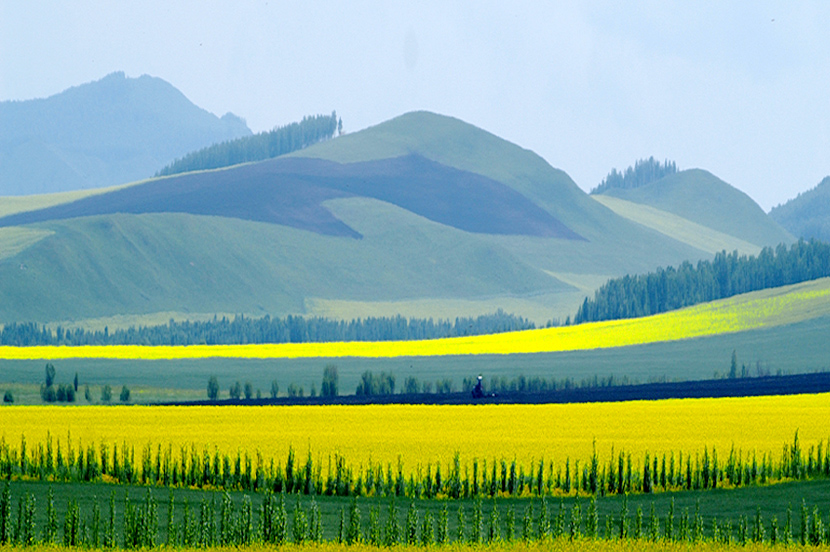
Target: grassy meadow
{"type": "Point", "coordinates": [767, 308]}
{"type": "Point", "coordinates": [679, 228]}
{"type": "Point", "coordinates": [720, 505]}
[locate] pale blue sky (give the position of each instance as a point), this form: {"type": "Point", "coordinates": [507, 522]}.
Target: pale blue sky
{"type": "Point", "coordinates": [741, 89]}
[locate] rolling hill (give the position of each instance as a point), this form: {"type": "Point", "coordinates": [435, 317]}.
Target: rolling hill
{"type": "Point", "coordinates": [808, 215]}
{"type": "Point", "coordinates": [111, 131]}
{"type": "Point", "coordinates": [423, 215]}
{"type": "Point", "coordinates": [730, 218]}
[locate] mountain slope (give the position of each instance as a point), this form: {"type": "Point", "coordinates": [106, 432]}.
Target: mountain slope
{"type": "Point", "coordinates": [422, 210]}
{"type": "Point", "coordinates": [614, 245]}
{"type": "Point", "coordinates": [701, 197]}
{"type": "Point", "coordinates": [679, 228]}
{"type": "Point", "coordinates": [808, 215]}
{"type": "Point", "coordinates": [463, 146]}
{"type": "Point", "coordinates": [106, 132]}
{"type": "Point", "coordinates": [139, 264]}
{"type": "Point", "coordinates": [290, 191]}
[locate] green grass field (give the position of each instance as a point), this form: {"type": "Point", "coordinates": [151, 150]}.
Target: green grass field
{"type": "Point", "coordinates": [717, 504]}
{"type": "Point", "coordinates": [10, 205]}
{"type": "Point", "coordinates": [124, 265]}
{"type": "Point", "coordinates": [679, 228]}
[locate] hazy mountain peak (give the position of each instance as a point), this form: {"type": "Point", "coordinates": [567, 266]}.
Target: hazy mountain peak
{"type": "Point", "coordinates": [110, 131]}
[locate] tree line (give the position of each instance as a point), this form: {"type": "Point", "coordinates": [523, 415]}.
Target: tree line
{"type": "Point", "coordinates": [261, 146]}
{"type": "Point", "coordinates": [619, 474]}
{"type": "Point", "coordinates": [51, 391]}
{"type": "Point", "coordinates": [381, 384]}
{"type": "Point", "coordinates": [643, 172]}
{"type": "Point", "coordinates": [244, 330]}
{"type": "Point", "coordinates": [728, 274]}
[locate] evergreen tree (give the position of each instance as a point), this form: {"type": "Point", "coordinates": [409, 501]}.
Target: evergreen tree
{"type": "Point", "coordinates": [442, 530]}
{"type": "Point", "coordinates": [264, 145]}
{"type": "Point", "coordinates": [213, 388]}
{"type": "Point", "coordinates": [643, 172]}
{"type": "Point", "coordinates": [392, 534]}
{"type": "Point", "coordinates": [329, 388]}
{"type": "Point", "coordinates": [50, 529]}
{"type": "Point", "coordinates": [353, 533]}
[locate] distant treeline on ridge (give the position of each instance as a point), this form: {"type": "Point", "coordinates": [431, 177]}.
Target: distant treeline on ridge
{"type": "Point", "coordinates": [727, 275]}
{"type": "Point", "coordinates": [244, 330]}
{"type": "Point", "coordinates": [258, 147]}
{"type": "Point", "coordinates": [644, 172]}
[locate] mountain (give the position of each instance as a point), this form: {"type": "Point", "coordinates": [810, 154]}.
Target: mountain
{"type": "Point", "coordinates": [808, 215]}
{"type": "Point", "coordinates": [721, 212]}
{"type": "Point", "coordinates": [107, 132]}
{"type": "Point", "coordinates": [423, 215]}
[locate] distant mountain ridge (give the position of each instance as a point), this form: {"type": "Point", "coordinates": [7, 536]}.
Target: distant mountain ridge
{"type": "Point", "coordinates": [107, 132]}
{"type": "Point", "coordinates": [808, 215]}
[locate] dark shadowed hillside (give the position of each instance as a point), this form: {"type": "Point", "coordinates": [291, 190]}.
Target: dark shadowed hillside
{"type": "Point", "coordinates": [107, 132]}
{"type": "Point", "coordinates": [290, 191]}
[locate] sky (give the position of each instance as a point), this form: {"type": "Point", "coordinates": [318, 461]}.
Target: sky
{"type": "Point", "coordinates": [741, 89]}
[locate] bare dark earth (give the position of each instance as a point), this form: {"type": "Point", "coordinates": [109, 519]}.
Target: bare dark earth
{"type": "Point", "coordinates": [740, 387]}
{"type": "Point", "coordinates": [290, 192]}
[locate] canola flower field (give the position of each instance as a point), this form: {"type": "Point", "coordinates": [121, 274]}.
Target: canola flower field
{"type": "Point", "coordinates": [421, 435]}
{"type": "Point", "coordinates": [777, 306]}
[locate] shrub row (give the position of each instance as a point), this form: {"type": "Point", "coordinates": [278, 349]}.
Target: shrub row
{"type": "Point", "coordinates": [222, 523]}
{"type": "Point", "coordinates": [621, 474]}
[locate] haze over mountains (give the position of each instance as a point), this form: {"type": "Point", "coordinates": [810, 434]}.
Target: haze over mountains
{"type": "Point", "coordinates": [807, 215]}
{"type": "Point", "coordinates": [102, 133]}
{"type": "Point", "coordinates": [423, 215]}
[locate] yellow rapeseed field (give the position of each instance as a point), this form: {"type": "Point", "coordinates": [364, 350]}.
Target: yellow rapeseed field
{"type": "Point", "coordinates": [422, 435]}
{"type": "Point", "coordinates": [746, 312]}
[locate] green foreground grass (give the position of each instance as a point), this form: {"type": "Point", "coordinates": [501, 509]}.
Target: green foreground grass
{"type": "Point", "coordinates": [723, 505]}
{"type": "Point", "coordinates": [559, 545]}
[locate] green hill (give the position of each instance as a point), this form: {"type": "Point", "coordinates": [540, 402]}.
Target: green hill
{"type": "Point", "coordinates": [679, 228]}
{"type": "Point", "coordinates": [704, 199]}
{"type": "Point", "coordinates": [808, 215]}
{"type": "Point", "coordinates": [423, 215]}
{"type": "Point", "coordinates": [134, 264]}
{"type": "Point", "coordinates": [614, 245]}
{"type": "Point", "coordinates": [102, 133]}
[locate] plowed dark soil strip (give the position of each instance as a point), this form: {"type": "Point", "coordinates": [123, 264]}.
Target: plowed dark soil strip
{"type": "Point", "coordinates": [739, 387]}
{"type": "Point", "coordinates": [290, 192]}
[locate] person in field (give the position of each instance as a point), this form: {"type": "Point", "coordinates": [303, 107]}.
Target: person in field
{"type": "Point", "coordinates": [478, 392]}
